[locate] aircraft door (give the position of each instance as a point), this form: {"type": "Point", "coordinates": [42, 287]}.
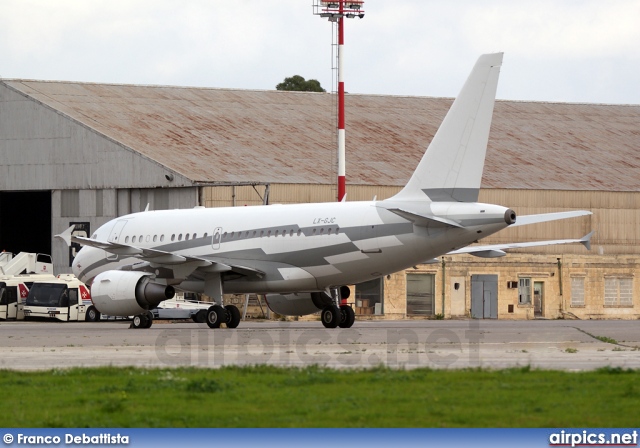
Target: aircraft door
{"type": "Point", "coordinates": [217, 238]}
{"type": "Point", "coordinates": [114, 237]}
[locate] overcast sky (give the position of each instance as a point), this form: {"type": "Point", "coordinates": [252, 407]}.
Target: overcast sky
{"type": "Point", "coordinates": [555, 50]}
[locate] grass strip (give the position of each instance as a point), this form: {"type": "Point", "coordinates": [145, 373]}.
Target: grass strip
{"type": "Point", "coordinates": [263, 396]}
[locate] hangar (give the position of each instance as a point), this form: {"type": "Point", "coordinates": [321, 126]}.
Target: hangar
{"type": "Point", "coordinates": [85, 153]}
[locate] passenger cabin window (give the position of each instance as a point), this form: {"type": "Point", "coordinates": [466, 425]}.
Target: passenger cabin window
{"type": "Point", "coordinates": [161, 238]}
{"type": "Point", "coordinates": [126, 240]}
{"type": "Point", "coordinates": [133, 239]}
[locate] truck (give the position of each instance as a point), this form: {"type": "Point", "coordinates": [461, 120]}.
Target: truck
{"type": "Point", "coordinates": [14, 290]}
{"type": "Point", "coordinates": [63, 298]}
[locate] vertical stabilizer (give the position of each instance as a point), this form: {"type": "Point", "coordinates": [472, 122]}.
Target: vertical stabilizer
{"type": "Point", "coordinates": [451, 168]}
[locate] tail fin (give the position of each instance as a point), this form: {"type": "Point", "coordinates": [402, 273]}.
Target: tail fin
{"type": "Point", "coordinates": [451, 168]}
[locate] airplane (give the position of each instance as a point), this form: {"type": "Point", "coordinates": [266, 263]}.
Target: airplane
{"type": "Point", "coordinates": [302, 255]}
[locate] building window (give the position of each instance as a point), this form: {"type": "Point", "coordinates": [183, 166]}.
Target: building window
{"type": "Point", "coordinates": [70, 203]}
{"type": "Point", "coordinates": [618, 291]}
{"type": "Point", "coordinates": [577, 291]}
{"type": "Point", "coordinates": [369, 297]}
{"type": "Point", "coordinates": [421, 294]}
{"type": "Point", "coordinates": [524, 291]}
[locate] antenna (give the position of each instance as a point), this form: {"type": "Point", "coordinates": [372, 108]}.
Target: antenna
{"type": "Point", "coordinates": [337, 11]}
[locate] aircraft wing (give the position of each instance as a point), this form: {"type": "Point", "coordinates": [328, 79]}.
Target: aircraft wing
{"type": "Point", "coordinates": [423, 220]}
{"type": "Point", "coordinates": [498, 250]}
{"type": "Point", "coordinates": [176, 262]}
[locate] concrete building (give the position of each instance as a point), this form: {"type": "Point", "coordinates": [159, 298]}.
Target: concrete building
{"type": "Point", "coordinates": [86, 153]}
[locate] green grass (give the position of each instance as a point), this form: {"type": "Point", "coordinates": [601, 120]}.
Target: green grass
{"type": "Point", "coordinates": [319, 397]}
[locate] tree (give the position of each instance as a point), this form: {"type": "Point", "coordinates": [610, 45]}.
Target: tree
{"type": "Point", "coordinates": [298, 84]}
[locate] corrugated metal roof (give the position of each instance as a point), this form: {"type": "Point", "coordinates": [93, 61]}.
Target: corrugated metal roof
{"type": "Point", "coordinates": [220, 135]}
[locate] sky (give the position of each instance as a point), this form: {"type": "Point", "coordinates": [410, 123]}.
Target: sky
{"type": "Point", "coordinates": [585, 51]}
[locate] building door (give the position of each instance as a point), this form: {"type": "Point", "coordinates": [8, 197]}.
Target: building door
{"type": "Point", "coordinates": [420, 294]}
{"type": "Point", "coordinates": [484, 296]}
{"type": "Point", "coordinates": [538, 299]}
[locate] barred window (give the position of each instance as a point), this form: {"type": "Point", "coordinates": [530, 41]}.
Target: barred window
{"type": "Point", "coordinates": [524, 291]}
{"type": "Point", "coordinates": [577, 291]}
{"type": "Point", "coordinates": [618, 291]}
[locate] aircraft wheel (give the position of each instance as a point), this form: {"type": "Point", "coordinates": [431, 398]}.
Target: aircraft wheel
{"type": "Point", "coordinates": [200, 317]}
{"type": "Point", "coordinates": [148, 319]}
{"type": "Point", "coordinates": [233, 316]}
{"type": "Point", "coordinates": [215, 316]}
{"type": "Point", "coordinates": [138, 321]}
{"type": "Point", "coordinates": [331, 316]}
{"type": "Point", "coordinates": [93, 315]}
{"type": "Point", "coordinates": [348, 316]}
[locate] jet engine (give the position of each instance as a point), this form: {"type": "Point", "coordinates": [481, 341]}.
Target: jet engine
{"type": "Point", "coordinates": [303, 303]}
{"type": "Point", "coordinates": [119, 293]}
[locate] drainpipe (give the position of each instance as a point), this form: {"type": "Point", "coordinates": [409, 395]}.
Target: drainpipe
{"type": "Point", "coordinates": [444, 264]}
{"type": "Point", "coordinates": [560, 279]}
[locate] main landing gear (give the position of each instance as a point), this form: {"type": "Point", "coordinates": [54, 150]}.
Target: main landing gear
{"type": "Point", "coordinates": [217, 315]}
{"type": "Point", "coordinates": [337, 315]}
{"type": "Point", "coordinates": [333, 316]}
{"type": "Point", "coordinates": [143, 320]}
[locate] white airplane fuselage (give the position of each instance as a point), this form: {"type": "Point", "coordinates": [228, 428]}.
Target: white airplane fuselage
{"type": "Point", "coordinates": [301, 247]}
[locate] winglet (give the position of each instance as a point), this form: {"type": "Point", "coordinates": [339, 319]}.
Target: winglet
{"type": "Point", "coordinates": [586, 240]}
{"type": "Point", "coordinates": [66, 235]}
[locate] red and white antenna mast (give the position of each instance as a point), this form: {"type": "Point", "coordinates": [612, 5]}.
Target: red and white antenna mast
{"type": "Point", "coordinates": [337, 11]}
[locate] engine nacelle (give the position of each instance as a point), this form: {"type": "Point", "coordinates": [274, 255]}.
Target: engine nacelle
{"type": "Point", "coordinates": [119, 293]}
{"type": "Point", "coordinates": [303, 303]}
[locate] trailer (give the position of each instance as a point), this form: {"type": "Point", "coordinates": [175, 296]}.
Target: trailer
{"type": "Point", "coordinates": [64, 298]}
{"type": "Point", "coordinates": [181, 307]}
{"type": "Point", "coordinates": [14, 290]}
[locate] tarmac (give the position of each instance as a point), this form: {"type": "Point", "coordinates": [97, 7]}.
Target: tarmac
{"type": "Point", "coordinates": [571, 345]}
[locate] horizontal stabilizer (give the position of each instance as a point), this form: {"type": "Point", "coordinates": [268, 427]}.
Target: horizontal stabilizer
{"type": "Point", "coordinates": [424, 221]}
{"type": "Point", "coordinates": [497, 248]}
{"type": "Point", "coordinates": [546, 217]}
